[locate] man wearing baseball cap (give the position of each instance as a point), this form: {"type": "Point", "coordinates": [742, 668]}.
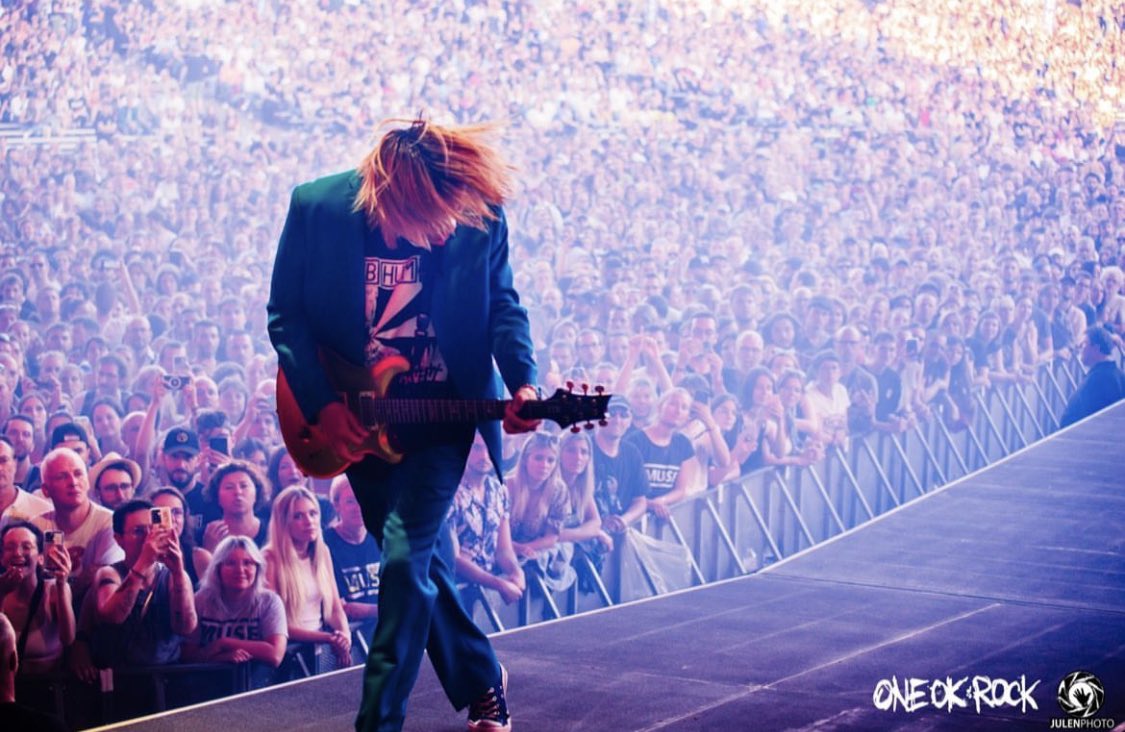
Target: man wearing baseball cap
{"type": "Point", "coordinates": [621, 488]}
{"type": "Point", "coordinates": [71, 435]}
{"type": "Point", "coordinates": [179, 465]}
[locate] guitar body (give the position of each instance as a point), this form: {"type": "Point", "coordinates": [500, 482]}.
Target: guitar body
{"type": "Point", "coordinates": [306, 446]}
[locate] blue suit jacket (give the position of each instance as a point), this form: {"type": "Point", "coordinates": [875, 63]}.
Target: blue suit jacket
{"type": "Point", "coordinates": [317, 299]}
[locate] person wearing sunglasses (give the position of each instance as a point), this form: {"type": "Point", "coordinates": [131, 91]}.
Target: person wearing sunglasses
{"type": "Point", "coordinates": [621, 484]}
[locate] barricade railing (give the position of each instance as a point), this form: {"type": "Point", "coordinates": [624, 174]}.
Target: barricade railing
{"type": "Point", "coordinates": [740, 526]}
{"type": "Point", "coordinates": [127, 692]}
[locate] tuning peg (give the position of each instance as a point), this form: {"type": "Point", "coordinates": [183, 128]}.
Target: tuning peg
{"type": "Point", "coordinates": [585, 388]}
{"type": "Point", "coordinates": [599, 389]}
{"type": "Point", "coordinates": [589, 425]}
{"type": "Point", "coordinates": [570, 386]}
{"type": "Point", "coordinates": [576, 429]}
{"type": "Point", "coordinates": [603, 422]}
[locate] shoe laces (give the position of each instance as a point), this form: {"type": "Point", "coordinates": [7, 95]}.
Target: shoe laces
{"type": "Point", "coordinates": [489, 706]}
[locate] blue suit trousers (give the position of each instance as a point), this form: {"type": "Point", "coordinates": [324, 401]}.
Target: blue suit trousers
{"type": "Point", "coordinates": [405, 506]}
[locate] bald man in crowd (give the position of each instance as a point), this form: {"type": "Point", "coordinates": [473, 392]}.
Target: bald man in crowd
{"type": "Point", "coordinates": [87, 527]}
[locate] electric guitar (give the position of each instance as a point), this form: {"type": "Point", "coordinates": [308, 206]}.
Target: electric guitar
{"type": "Point", "coordinates": [365, 393]}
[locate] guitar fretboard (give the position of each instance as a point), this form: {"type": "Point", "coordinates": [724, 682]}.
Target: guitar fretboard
{"type": "Point", "coordinates": [372, 410]}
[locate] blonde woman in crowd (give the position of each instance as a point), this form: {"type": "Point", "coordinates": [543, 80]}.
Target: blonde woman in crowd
{"type": "Point", "coordinates": [299, 569]}
{"type": "Point", "coordinates": [239, 619]}
{"type": "Point", "coordinates": [540, 506]}
{"type": "Point", "coordinates": [576, 467]}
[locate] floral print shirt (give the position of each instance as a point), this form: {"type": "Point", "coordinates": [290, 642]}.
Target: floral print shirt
{"type": "Point", "coordinates": [476, 520]}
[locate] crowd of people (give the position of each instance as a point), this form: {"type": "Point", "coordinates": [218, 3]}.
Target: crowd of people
{"type": "Point", "coordinates": [765, 229]}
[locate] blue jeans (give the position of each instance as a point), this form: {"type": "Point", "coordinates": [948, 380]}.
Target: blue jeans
{"type": "Point", "coordinates": [405, 507]}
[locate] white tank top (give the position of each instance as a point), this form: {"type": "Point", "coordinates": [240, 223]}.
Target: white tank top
{"type": "Point", "coordinates": [309, 615]}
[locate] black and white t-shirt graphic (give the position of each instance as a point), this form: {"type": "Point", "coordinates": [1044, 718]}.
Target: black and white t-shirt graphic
{"type": "Point", "coordinates": [398, 311]}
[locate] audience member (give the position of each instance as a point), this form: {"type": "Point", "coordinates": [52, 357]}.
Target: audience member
{"type": "Point", "coordinates": [583, 524]}
{"type": "Point", "coordinates": [828, 399]}
{"type": "Point", "coordinates": [19, 432]}
{"type": "Point", "coordinates": [86, 527]}
{"type": "Point", "coordinates": [355, 557]}
{"type": "Point", "coordinates": [712, 453]}
{"type": "Point", "coordinates": [758, 441]}
{"type": "Point", "coordinates": [798, 440]}
{"type": "Point", "coordinates": [889, 411]}
{"type": "Point", "coordinates": [114, 480]}
{"type": "Point", "coordinates": [35, 595]}
{"type": "Point", "coordinates": [15, 504]}
{"type": "Point", "coordinates": [283, 472]}
{"type": "Point", "coordinates": [481, 521]}
{"type": "Point", "coordinates": [299, 569]}
{"type": "Point", "coordinates": [182, 521]}
{"type": "Point", "coordinates": [142, 606]}
{"type": "Point", "coordinates": [620, 481]}
{"type": "Point", "coordinates": [179, 467]}
{"type": "Point", "coordinates": [240, 620]}
{"type": "Point", "coordinates": [540, 506]}
{"type": "Point", "coordinates": [239, 492]}
{"type": "Point", "coordinates": [667, 455]}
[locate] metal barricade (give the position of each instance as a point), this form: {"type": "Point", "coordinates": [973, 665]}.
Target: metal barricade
{"type": "Point", "coordinates": [763, 517]}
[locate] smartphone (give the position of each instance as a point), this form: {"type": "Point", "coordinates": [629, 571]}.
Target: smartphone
{"type": "Point", "coordinates": [162, 516]}
{"type": "Point", "coordinates": [49, 538]}
{"type": "Point", "coordinates": [219, 444]}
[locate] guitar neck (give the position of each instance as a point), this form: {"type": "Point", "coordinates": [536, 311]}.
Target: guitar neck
{"type": "Point", "coordinates": [441, 411]}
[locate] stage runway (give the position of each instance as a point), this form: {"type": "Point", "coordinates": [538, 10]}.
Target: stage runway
{"type": "Point", "coordinates": [1015, 574]}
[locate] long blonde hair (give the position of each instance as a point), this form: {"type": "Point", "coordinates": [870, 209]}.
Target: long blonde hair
{"type": "Point", "coordinates": [581, 489]}
{"type": "Point", "coordinates": [282, 555]}
{"type": "Point", "coordinates": [527, 503]}
{"type": "Point", "coordinates": [420, 177]}
{"type": "Point", "coordinates": [211, 581]}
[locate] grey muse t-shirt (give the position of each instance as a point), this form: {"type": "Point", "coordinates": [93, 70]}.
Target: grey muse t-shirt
{"type": "Point", "coordinates": [261, 618]}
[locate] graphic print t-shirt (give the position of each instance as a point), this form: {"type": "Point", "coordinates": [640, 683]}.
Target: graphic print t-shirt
{"type": "Point", "coordinates": [618, 480]}
{"type": "Point", "coordinates": [398, 288]}
{"type": "Point", "coordinates": [356, 567]}
{"type": "Point", "coordinates": [262, 619]}
{"type": "Point", "coordinates": [662, 462]}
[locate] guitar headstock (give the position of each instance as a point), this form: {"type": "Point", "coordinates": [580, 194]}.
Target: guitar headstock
{"type": "Point", "coordinates": [567, 407]}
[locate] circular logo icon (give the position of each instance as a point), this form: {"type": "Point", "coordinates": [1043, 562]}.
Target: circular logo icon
{"type": "Point", "coordinates": [1081, 694]}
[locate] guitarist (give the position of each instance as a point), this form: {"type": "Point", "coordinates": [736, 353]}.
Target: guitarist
{"type": "Point", "coordinates": [408, 256]}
